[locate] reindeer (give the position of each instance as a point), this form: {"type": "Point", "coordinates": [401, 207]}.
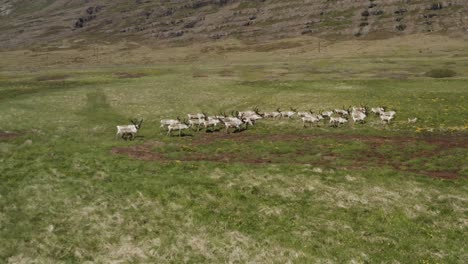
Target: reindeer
{"type": "Point", "coordinates": [220, 116]}
{"type": "Point", "coordinates": [196, 116]}
{"type": "Point", "coordinates": [309, 119]}
{"type": "Point", "coordinates": [232, 122]}
{"type": "Point", "coordinates": [236, 122]}
{"type": "Point", "coordinates": [177, 127]}
{"type": "Point", "coordinates": [217, 117]}
{"type": "Point", "coordinates": [211, 122]}
{"type": "Point", "coordinates": [288, 114]}
{"type": "Point", "coordinates": [273, 114]}
{"type": "Point", "coordinates": [303, 114]}
{"type": "Point", "coordinates": [412, 120]}
{"type": "Point", "coordinates": [326, 114]}
{"type": "Point", "coordinates": [377, 110]}
{"type": "Point", "coordinates": [362, 109]}
{"type": "Point", "coordinates": [313, 114]}
{"type": "Point", "coordinates": [196, 122]}
{"type": "Point", "coordinates": [386, 118]}
{"type": "Point", "coordinates": [168, 122]}
{"type": "Point", "coordinates": [388, 113]}
{"type": "Point", "coordinates": [258, 113]}
{"type": "Point", "coordinates": [254, 117]}
{"type": "Point", "coordinates": [342, 112]}
{"type": "Point", "coordinates": [335, 121]}
{"type": "Point", "coordinates": [358, 116]}
{"type": "Point", "coordinates": [129, 130]}
{"type": "Point", "coordinates": [247, 113]}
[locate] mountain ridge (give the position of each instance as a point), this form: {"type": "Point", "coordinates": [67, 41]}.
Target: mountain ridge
{"type": "Point", "coordinates": [28, 23]}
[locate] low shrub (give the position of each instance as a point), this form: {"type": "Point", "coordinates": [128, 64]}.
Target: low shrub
{"type": "Point", "coordinates": [441, 73]}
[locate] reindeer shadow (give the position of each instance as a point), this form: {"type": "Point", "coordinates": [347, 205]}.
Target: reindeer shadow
{"type": "Point", "coordinates": [181, 135]}
{"type": "Point", "coordinates": [240, 130]}
{"type": "Point", "coordinates": [129, 137]}
{"type": "Point", "coordinates": [213, 130]}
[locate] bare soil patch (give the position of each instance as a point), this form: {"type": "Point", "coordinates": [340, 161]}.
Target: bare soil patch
{"type": "Point", "coordinates": [128, 75]}
{"type": "Point", "coordinates": [8, 135]}
{"type": "Point", "coordinates": [369, 158]}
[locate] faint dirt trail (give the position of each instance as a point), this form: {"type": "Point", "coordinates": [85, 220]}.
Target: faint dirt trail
{"type": "Point", "coordinates": [369, 158]}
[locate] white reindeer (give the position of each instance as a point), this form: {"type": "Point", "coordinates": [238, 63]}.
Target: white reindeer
{"type": "Point", "coordinates": [309, 119]}
{"type": "Point", "coordinates": [168, 122]}
{"type": "Point", "coordinates": [341, 112]}
{"type": "Point", "coordinates": [387, 118]}
{"type": "Point", "coordinates": [377, 110]}
{"type": "Point", "coordinates": [131, 130]}
{"type": "Point", "coordinates": [245, 113]}
{"type": "Point", "coordinates": [288, 114]}
{"type": "Point", "coordinates": [412, 120]}
{"type": "Point", "coordinates": [318, 116]}
{"type": "Point", "coordinates": [196, 116]}
{"type": "Point", "coordinates": [253, 118]}
{"type": "Point", "coordinates": [211, 123]}
{"type": "Point", "coordinates": [362, 109]}
{"type": "Point", "coordinates": [236, 123]}
{"type": "Point", "coordinates": [177, 127]}
{"type": "Point", "coordinates": [196, 122]}
{"type": "Point", "coordinates": [232, 122]}
{"type": "Point", "coordinates": [358, 116]}
{"type": "Point", "coordinates": [388, 113]}
{"type": "Point", "coordinates": [273, 114]}
{"type": "Point", "coordinates": [335, 121]}
{"type": "Point", "coordinates": [303, 114]}
{"type": "Point", "coordinates": [327, 114]}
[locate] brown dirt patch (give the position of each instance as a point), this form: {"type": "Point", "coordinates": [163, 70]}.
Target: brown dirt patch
{"type": "Point", "coordinates": [8, 135]}
{"type": "Point", "coordinates": [127, 75]}
{"type": "Point", "coordinates": [370, 158]}
{"type": "Point", "coordinates": [441, 174]}
{"type": "Point", "coordinates": [141, 152]}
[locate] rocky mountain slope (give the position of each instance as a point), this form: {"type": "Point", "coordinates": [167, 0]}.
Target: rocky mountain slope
{"type": "Point", "coordinates": [26, 23]}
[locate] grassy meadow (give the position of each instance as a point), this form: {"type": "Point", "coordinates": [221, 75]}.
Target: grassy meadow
{"type": "Point", "coordinates": [275, 193]}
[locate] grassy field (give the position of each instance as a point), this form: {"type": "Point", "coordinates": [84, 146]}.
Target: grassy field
{"type": "Point", "coordinates": [276, 193]}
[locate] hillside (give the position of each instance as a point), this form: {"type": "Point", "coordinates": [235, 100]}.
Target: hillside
{"type": "Point", "coordinates": [25, 23]}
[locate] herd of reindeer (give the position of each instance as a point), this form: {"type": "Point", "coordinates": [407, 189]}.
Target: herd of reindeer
{"type": "Point", "coordinates": [242, 120]}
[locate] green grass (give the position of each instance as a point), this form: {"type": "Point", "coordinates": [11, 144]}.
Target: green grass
{"type": "Point", "coordinates": [310, 197]}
